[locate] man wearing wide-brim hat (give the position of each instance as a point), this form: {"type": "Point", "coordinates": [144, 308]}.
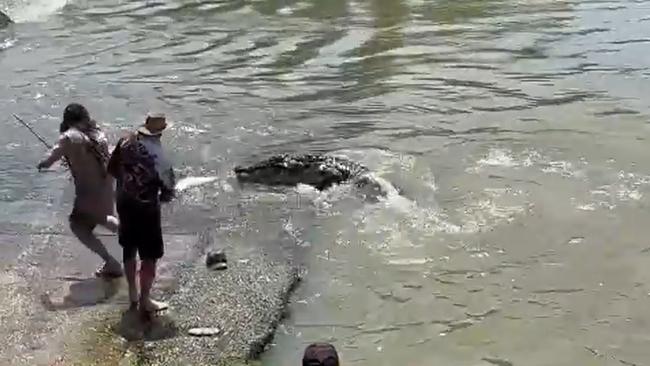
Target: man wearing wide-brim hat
{"type": "Point", "coordinates": [154, 125]}
{"type": "Point", "coordinates": [145, 179]}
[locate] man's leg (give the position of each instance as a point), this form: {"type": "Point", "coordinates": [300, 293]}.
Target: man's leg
{"type": "Point", "coordinates": [129, 243]}
{"type": "Point", "coordinates": [83, 230]}
{"type": "Point", "coordinates": [151, 249]}
{"type": "Point", "coordinates": [130, 269]}
{"type": "Point", "coordinates": [147, 277]}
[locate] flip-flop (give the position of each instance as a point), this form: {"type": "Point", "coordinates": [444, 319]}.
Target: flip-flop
{"type": "Point", "coordinates": [158, 306]}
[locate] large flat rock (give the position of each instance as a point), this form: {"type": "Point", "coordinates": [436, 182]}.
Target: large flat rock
{"type": "Point", "coordinates": [53, 310]}
{"type": "Point", "coordinates": [245, 303]}
{"type": "Point", "coordinates": [48, 291]}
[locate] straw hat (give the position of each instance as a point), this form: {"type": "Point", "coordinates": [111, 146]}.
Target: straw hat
{"type": "Point", "coordinates": [154, 125]}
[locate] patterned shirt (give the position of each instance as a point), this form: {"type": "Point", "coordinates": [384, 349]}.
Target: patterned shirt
{"type": "Point", "coordinates": [136, 165]}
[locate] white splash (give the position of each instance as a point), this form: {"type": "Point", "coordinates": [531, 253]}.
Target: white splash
{"type": "Point", "coordinates": [36, 10]}
{"type": "Point", "coordinates": [7, 43]}
{"type": "Point", "coordinates": [498, 157]}
{"type": "Point", "coordinates": [407, 261]}
{"type": "Point", "coordinates": [192, 130]}
{"type": "Point", "coordinates": [626, 194]}
{"type": "Point", "coordinates": [586, 207]}
{"type": "Point", "coordinates": [505, 158]}
{"type": "Point", "coordinates": [189, 182]}
{"type": "Point", "coordinates": [287, 10]}
{"type": "Point", "coordinates": [564, 168]}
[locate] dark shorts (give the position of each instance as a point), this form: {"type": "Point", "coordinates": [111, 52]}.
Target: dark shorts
{"type": "Point", "coordinates": [140, 229]}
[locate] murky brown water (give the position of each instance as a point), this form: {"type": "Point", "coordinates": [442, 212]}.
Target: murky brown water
{"type": "Point", "coordinates": [516, 129]}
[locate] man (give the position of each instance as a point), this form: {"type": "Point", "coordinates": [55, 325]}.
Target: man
{"type": "Point", "coordinates": [320, 354]}
{"type": "Point", "coordinates": [84, 147]}
{"type": "Point", "coordinates": [145, 178]}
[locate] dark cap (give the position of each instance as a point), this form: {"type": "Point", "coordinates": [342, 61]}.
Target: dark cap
{"type": "Point", "coordinates": [320, 354]}
{"type": "Point", "coordinates": [75, 112]}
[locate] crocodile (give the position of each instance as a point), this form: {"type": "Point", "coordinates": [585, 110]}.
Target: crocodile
{"type": "Point", "coordinates": [320, 171]}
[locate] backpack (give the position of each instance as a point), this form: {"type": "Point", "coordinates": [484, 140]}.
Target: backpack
{"type": "Point", "coordinates": [135, 170]}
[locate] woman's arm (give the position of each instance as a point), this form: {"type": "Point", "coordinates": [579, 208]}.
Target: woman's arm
{"type": "Point", "coordinates": [56, 153]}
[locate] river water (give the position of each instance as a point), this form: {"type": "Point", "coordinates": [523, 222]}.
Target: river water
{"type": "Point", "coordinates": [516, 131]}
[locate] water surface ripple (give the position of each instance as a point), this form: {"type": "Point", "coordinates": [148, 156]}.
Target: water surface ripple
{"type": "Point", "coordinates": [515, 130]}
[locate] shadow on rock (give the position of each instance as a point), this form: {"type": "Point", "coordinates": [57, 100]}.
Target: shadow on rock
{"type": "Point", "coordinates": [82, 293]}
{"type": "Point", "coordinates": [133, 328]}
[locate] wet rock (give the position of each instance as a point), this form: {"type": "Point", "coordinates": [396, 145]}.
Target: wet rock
{"type": "Point", "coordinates": [216, 260]}
{"type": "Point", "coordinates": [4, 20]}
{"type": "Point", "coordinates": [247, 302]}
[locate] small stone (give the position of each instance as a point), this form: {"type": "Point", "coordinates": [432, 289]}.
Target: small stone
{"type": "Point", "coordinates": [216, 260]}
{"type": "Point", "coordinates": [576, 240]}
{"type": "Point", "coordinates": [203, 332]}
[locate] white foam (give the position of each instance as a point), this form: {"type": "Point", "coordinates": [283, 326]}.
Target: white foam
{"type": "Point", "coordinates": [576, 240]}
{"type": "Point", "coordinates": [586, 207]}
{"type": "Point", "coordinates": [192, 129]}
{"type": "Point", "coordinates": [35, 10]}
{"type": "Point", "coordinates": [7, 43]}
{"type": "Point", "coordinates": [397, 222]}
{"type": "Point", "coordinates": [306, 189]}
{"type": "Point", "coordinates": [563, 168]}
{"type": "Point", "coordinates": [384, 163]}
{"type": "Point", "coordinates": [287, 10]}
{"type": "Point", "coordinates": [386, 186]}
{"type": "Point", "coordinates": [407, 261]}
{"type": "Point", "coordinates": [625, 194]}
{"type": "Point", "coordinates": [498, 157]}
{"type": "Point", "coordinates": [504, 158]}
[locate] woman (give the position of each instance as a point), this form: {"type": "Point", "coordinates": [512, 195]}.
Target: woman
{"type": "Point", "coordinates": [84, 147]}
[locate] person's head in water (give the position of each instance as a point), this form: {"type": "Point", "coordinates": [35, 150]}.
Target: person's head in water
{"type": "Point", "coordinates": [154, 125]}
{"type": "Point", "coordinates": [320, 354]}
{"type": "Point", "coordinates": [74, 115]}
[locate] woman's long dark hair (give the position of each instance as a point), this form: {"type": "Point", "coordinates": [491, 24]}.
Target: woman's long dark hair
{"type": "Point", "coordinates": [76, 115]}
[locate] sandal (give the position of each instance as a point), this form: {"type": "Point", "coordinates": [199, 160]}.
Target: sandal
{"type": "Point", "coordinates": [153, 306]}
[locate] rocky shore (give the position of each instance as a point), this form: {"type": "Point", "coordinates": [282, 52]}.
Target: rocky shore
{"type": "Point", "coordinates": [55, 312]}
{"type": "Point", "coordinates": [243, 304]}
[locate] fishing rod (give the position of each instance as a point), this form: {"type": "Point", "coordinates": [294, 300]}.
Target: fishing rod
{"type": "Point", "coordinates": [26, 125]}
{"type": "Point", "coordinates": [41, 139]}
